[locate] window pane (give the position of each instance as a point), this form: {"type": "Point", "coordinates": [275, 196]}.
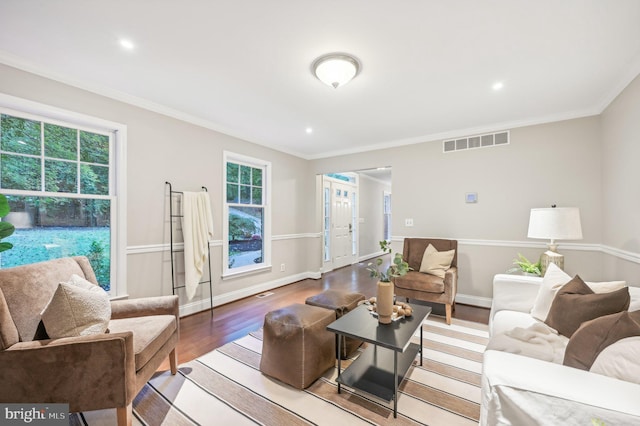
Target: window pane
{"type": "Point", "coordinates": [256, 177]}
{"type": "Point", "coordinates": [94, 179]}
{"type": "Point", "coordinates": [20, 135]}
{"type": "Point", "coordinates": [52, 227]}
{"type": "Point", "coordinates": [232, 193]}
{"type": "Point", "coordinates": [19, 172]}
{"type": "Point", "coordinates": [94, 148]}
{"type": "Point", "coordinates": [245, 236]}
{"type": "Point", "coordinates": [256, 195]}
{"type": "Point", "coordinates": [60, 142]}
{"type": "Point", "coordinates": [60, 176]}
{"type": "Point", "coordinates": [245, 194]}
{"type": "Point", "coordinates": [245, 175]}
{"type": "Point", "coordinates": [232, 172]}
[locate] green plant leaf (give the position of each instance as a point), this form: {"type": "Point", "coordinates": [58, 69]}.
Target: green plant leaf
{"type": "Point", "coordinates": [5, 246]}
{"type": "Point", "coordinates": [6, 229]}
{"type": "Point", "coordinates": [4, 206]}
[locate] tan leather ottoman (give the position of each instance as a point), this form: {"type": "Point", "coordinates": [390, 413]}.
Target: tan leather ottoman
{"type": "Point", "coordinates": [297, 348]}
{"type": "Point", "coordinates": [341, 302]}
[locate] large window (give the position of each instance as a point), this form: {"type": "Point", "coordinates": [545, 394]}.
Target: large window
{"type": "Point", "coordinates": [247, 239]}
{"type": "Point", "coordinates": [59, 180]}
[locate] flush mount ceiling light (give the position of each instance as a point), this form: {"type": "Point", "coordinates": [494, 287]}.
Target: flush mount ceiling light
{"type": "Point", "coordinates": [336, 69]}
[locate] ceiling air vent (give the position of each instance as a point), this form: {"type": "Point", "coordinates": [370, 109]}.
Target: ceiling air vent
{"type": "Point", "coordinates": [476, 141]}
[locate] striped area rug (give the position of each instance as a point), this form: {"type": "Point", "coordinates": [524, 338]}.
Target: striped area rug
{"type": "Point", "coordinates": [226, 387]}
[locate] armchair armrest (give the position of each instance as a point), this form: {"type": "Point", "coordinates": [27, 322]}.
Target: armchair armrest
{"type": "Point", "coordinates": [451, 282]}
{"type": "Point", "coordinates": [514, 293]}
{"type": "Point", "coordinates": [145, 306]}
{"type": "Point", "coordinates": [522, 390]}
{"type": "Point", "coordinates": [87, 372]}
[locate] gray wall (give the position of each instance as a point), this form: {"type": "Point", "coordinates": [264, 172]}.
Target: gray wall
{"type": "Point", "coordinates": [556, 163]}
{"type": "Point", "coordinates": [161, 148]}
{"type": "Point", "coordinates": [621, 175]}
{"type": "Point", "coordinates": [588, 163]}
{"type": "Point", "coordinates": [371, 211]}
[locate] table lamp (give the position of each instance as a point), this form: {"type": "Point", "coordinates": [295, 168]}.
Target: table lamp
{"type": "Point", "coordinates": [555, 223]}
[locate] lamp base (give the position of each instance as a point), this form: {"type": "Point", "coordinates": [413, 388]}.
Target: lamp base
{"type": "Point", "coordinates": [550, 257]}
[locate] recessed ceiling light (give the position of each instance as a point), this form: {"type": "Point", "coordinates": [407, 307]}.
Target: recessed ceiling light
{"type": "Point", "coordinates": [497, 86]}
{"type": "Point", "coordinates": [127, 44]}
{"type": "Point", "coordinates": [309, 130]}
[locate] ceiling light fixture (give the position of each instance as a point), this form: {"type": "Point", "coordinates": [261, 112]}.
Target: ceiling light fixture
{"type": "Point", "coordinates": [497, 86]}
{"type": "Point", "coordinates": [127, 44]}
{"type": "Point", "coordinates": [309, 130]}
{"type": "Point", "coordinates": [336, 69]}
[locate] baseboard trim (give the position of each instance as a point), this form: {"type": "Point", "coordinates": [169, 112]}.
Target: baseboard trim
{"type": "Point", "coordinates": [205, 304]}
{"type": "Point", "coordinates": [370, 256]}
{"type": "Point", "coordinates": [483, 302]}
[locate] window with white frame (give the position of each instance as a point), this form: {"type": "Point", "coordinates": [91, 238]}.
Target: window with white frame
{"type": "Point", "coordinates": [247, 223]}
{"type": "Point", "coordinates": [59, 178]}
{"type": "Point", "coordinates": [386, 202]}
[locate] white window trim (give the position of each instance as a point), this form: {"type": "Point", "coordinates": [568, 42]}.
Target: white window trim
{"type": "Point", "coordinates": [117, 174]}
{"type": "Point", "coordinates": [228, 156]}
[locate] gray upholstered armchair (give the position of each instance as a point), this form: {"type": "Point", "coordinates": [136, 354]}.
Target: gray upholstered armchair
{"type": "Point", "coordinates": [430, 288]}
{"type": "Point", "coordinates": [88, 372]}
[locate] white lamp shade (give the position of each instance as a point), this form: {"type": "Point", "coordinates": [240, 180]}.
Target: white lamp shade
{"type": "Point", "coordinates": [559, 223]}
{"type": "Point", "coordinates": [336, 70]}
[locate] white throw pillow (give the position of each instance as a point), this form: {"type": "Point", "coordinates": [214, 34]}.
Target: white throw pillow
{"type": "Point", "coordinates": [77, 308]}
{"type": "Point", "coordinates": [606, 286]}
{"type": "Point", "coordinates": [436, 262]}
{"type": "Point", "coordinates": [620, 360]}
{"type": "Point", "coordinates": [553, 279]}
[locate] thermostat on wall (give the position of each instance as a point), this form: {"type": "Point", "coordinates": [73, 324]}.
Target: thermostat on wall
{"type": "Point", "coordinates": [471, 197]}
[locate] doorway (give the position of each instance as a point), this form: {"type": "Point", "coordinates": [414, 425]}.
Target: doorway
{"type": "Point", "coordinates": [356, 216]}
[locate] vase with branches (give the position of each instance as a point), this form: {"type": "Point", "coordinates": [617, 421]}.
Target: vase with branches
{"type": "Point", "coordinates": [384, 291]}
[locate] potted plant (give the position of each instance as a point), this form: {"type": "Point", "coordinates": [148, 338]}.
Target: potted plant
{"type": "Point", "coordinates": [6, 228]}
{"type": "Point", "coordinates": [384, 293]}
{"type": "Point", "coordinates": [524, 265]}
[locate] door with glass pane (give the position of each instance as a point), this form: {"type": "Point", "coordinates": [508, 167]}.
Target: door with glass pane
{"type": "Point", "coordinates": [342, 225]}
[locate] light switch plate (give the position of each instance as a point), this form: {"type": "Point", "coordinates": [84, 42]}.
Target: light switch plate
{"type": "Point", "coordinates": [408, 222]}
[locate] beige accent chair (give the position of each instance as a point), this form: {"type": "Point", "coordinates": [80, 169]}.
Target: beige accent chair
{"type": "Point", "coordinates": [87, 372]}
{"type": "Point", "coordinates": [430, 288]}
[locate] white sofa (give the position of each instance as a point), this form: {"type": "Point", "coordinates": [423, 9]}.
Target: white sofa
{"type": "Point", "coordinates": [520, 390]}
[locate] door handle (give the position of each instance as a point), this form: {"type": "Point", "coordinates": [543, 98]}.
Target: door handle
{"type": "Point", "coordinates": [350, 227]}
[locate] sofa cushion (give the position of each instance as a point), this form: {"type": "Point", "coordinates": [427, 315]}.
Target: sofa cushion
{"type": "Point", "coordinates": [149, 334]}
{"type": "Point", "coordinates": [420, 282]}
{"type": "Point", "coordinates": [594, 336]}
{"type": "Point", "coordinates": [576, 303]}
{"type": "Point", "coordinates": [77, 308]}
{"type": "Point", "coordinates": [620, 360]}
{"type": "Point", "coordinates": [506, 320]}
{"type": "Point", "coordinates": [436, 262]}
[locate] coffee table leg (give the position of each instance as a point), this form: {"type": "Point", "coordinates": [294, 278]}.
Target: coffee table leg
{"type": "Point", "coordinates": [421, 325]}
{"type": "Point", "coordinates": [339, 359]}
{"type": "Point", "coordinates": [395, 384]}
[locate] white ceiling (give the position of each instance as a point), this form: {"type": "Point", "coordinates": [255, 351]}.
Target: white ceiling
{"type": "Point", "coordinates": [244, 66]}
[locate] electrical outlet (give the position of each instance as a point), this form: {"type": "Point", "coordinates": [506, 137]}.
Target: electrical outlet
{"type": "Point", "coordinates": [282, 267]}
{"type": "Point", "coordinates": [408, 222]}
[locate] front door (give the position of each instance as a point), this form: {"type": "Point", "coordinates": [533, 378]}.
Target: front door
{"type": "Point", "coordinates": [342, 225]}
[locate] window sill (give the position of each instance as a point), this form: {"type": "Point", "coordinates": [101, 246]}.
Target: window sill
{"type": "Point", "coordinates": [238, 274]}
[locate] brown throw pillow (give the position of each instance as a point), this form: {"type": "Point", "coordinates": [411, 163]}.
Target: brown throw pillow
{"type": "Point", "coordinates": [576, 303]}
{"type": "Point", "coordinates": [594, 336]}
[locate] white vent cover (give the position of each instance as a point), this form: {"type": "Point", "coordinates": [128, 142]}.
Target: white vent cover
{"type": "Point", "coordinates": [476, 141]}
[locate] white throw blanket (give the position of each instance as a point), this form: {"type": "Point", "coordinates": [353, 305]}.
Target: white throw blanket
{"type": "Point", "coordinates": [537, 341]}
{"type": "Point", "coordinates": [197, 229]}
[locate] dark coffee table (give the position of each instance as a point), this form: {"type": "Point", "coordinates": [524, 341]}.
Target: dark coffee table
{"type": "Point", "coordinates": [380, 369]}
